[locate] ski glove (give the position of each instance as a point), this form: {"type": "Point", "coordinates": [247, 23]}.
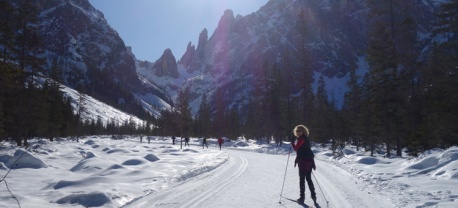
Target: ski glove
{"type": "Point", "coordinates": [313, 165]}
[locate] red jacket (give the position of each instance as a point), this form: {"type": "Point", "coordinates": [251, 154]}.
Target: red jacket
{"type": "Point", "coordinates": [304, 152]}
{"type": "Point", "coordinates": [303, 148]}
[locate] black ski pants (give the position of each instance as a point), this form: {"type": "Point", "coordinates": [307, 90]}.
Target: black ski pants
{"type": "Point", "coordinates": [305, 174]}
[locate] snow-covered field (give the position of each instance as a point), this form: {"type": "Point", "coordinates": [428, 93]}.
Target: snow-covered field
{"type": "Point", "coordinates": [105, 172]}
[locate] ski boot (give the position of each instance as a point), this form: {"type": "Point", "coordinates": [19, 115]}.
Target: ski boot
{"type": "Point", "coordinates": [300, 200]}
{"type": "Point", "coordinates": [314, 199]}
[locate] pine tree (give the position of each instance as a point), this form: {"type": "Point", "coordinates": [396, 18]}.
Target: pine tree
{"type": "Point", "coordinates": [323, 114]}
{"type": "Point", "coordinates": [204, 117]}
{"type": "Point", "coordinates": [278, 97]}
{"type": "Point", "coordinates": [384, 79]}
{"type": "Point", "coordinates": [81, 108]}
{"type": "Point", "coordinates": [352, 108]}
{"type": "Point", "coordinates": [70, 119]}
{"type": "Point", "coordinates": [408, 54]}
{"type": "Point", "coordinates": [184, 120]}
{"type": "Point", "coordinates": [233, 120]}
{"type": "Point", "coordinates": [261, 104]}
{"type": "Point", "coordinates": [53, 107]}
{"type": "Point", "coordinates": [250, 121]}
{"type": "Point", "coordinates": [367, 110]}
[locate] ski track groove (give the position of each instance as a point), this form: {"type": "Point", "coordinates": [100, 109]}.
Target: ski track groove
{"type": "Point", "coordinates": [190, 193]}
{"type": "Point", "coordinates": [197, 200]}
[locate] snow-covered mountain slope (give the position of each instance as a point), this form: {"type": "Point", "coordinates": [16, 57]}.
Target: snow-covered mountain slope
{"type": "Point", "coordinates": [94, 109]}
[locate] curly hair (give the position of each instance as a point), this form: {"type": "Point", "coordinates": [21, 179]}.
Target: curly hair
{"type": "Point", "coordinates": [302, 128]}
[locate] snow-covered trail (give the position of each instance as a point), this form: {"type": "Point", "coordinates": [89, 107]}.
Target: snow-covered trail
{"type": "Point", "coordinates": [250, 179]}
{"type": "Point", "coordinates": [343, 190]}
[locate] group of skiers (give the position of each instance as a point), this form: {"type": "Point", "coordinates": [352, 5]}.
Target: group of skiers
{"type": "Point", "coordinates": [204, 142]}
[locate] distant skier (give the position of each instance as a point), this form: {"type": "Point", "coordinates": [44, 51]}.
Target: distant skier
{"type": "Point", "coordinates": [304, 158]}
{"type": "Point", "coordinates": [186, 141]}
{"type": "Point", "coordinates": [278, 141]}
{"type": "Point", "coordinates": [220, 142]}
{"type": "Point", "coordinates": [204, 143]}
{"type": "Point", "coordinates": [173, 140]}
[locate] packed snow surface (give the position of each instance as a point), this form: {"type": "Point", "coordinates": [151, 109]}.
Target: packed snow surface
{"type": "Point", "coordinates": [101, 171]}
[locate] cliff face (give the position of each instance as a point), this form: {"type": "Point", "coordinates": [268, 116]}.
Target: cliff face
{"type": "Point", "coordinates": [166, 65]}
{"type": "Point", "coordinates": [78, 36]}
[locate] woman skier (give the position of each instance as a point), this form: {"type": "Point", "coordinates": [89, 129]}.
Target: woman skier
{"type": "Point", "coordinates": [304, 158]}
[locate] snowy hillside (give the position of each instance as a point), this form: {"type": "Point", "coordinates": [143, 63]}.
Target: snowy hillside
{"type": "Point", "coordinates": [93, 109]}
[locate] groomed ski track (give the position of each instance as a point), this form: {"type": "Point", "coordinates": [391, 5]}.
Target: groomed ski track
{"type": "Point", "coordinates": [250, 179]}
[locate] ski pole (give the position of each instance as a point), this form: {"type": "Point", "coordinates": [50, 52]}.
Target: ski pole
{"type": "Point", "coordinates": [284, 177]}
{"type": "Point", "coordinates": [327, 202]}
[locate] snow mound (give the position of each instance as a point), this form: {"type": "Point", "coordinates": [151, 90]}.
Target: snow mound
{"type": "Point", "coordinates": [89, 155]}
{"type": "Point", "coordinates": [367, 160]}
{"type": "Point", "coordinates": [169, 150]}
{"type": "Point", "coordinates": [424, 163]}
{"type": "Point", "coordinates": [115, 166]}
{"type": "Point", "coordinates": [90, 142]}
{"type": "Point", "coordinates": [449, 171]}
{"type": "Point", "coordinates": [80, 183]}
{"type": "Point", "coordinates": [132, 162]}
{"type": "Point", "coordinates": [436, 159]}
{"type": "Point", "coordinates": [90, 165]}
{"type": "Point", "coordinates": [240, 144]}
{"type": "Point", "coordinates": [24, 159]}
{"type": "Point", "coordinates": [190, 150]}
{"type": "Point", "coordinates": [94, 199]}
{"type": "Point", "coordinates": [454, 176]}
{"type": "Point", "coordinates": [151, 158]}
{"type": "Point", "coordinates": [347, 151]}
{"type": "Point", "coordinates": [449, 155]}
{"type": "Point", "coordinates": [447, 167]}
{"type": "Point", "coordinates": [117, 151]}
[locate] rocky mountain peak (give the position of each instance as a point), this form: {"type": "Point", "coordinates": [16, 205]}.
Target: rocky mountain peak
{"type": "Point", "coordinates": [227, 20]}
{"type": "Point", "coordinates": [166, 65]}
{"type": "Point", "coordinates": [203, 38]}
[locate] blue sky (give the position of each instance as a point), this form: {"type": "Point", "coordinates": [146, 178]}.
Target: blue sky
{"type": "Point", "coordinates": [151, 26]}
